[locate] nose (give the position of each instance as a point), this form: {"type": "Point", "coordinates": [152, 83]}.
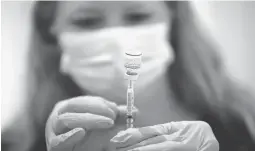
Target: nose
{"type": "Point", "coordinates": [114, 20]}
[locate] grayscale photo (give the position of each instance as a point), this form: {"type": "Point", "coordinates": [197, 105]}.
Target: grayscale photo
{"type": "Point", "coordinates": [128, 76]}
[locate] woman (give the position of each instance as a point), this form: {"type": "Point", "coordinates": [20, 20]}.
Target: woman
{"type": "Point", "coordinates": [182, 80]}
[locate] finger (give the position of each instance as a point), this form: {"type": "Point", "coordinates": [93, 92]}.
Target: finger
{"type": "Point", "coordinates": [134, 136]}
{"type": "Point", "coordinates": [89, 104]}
{"type": "Point", "coordinates": [212, 145]}
{"type": "Point", "coordinates": [112, 106]}
{"type": "Point", "coordinates": [166, 146]}
{"type": "Point", "coordinates": [49, 130]}
{"type": "Point", "coordinates": [154, 140]}
{"type": "Point", "coordinates": [67, 140]}
{"type": "Point", "coordinates": [122, 114]}
{"type": "Point", "coordinates": [86, 121]}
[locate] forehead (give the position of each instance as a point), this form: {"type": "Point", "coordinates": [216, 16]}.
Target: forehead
{"type": "Point", "coordinates": [108, 6]}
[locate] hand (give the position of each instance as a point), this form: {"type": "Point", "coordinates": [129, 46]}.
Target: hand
{"type": "Point", "coordinates": [174, 136]}
{"type": "Point", "coordinates": [71, 119]}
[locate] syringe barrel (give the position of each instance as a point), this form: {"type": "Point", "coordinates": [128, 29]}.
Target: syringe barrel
{"type": "Point", "coordinates": [130, 106]}
{"type": "Point", "coordinates": [130, 122]}
{"type": "Point", "coordinates": [130, 101]}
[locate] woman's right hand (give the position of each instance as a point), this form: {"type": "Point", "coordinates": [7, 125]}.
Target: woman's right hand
{"type": "Point", "coordinates": [71, 119]}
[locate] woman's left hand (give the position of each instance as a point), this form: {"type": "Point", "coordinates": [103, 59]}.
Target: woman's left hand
{"type": "Point", "coordinates": [174, 136]}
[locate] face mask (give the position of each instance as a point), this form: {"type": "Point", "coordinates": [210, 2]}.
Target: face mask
{"type": "Point", "coordinates": [95, 60]}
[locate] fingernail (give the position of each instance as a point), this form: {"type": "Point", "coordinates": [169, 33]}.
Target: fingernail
{"type": "Point", "coordinates": [135, 109]}
{"type": "Point", "coordinates": [70, 133]}
{"type": "Point", "coordinates": [121, 137]}
{"type": "Point", "coordinates": [105, 123]}
{"type": "Point", "coordinates": [74, 130]}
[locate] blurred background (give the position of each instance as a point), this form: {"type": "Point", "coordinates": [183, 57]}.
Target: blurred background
{"type": "Point", "coordinates": [232, 24]}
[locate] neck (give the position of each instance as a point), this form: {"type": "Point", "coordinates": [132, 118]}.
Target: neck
{"type": "Point", "coordinates": [155, 89]}
{"type": "Point", "coordinates": [155, 102]}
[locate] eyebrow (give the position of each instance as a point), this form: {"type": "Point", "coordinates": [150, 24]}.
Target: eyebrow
{"type": "Point", "coordinates": [84, 11]}
{"type": "Point", "coordinates": [140, 6]}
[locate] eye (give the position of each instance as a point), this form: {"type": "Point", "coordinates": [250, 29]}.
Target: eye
{"type": "Point", "coordinates": [88, 23]}
{"type": "Point", "coordinates": [136, 18]}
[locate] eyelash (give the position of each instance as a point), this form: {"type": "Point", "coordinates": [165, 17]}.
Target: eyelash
{"type": "Point", "coordinates": [88, 22]}
{"type": "Point", "coordinates": [94, 22]}
{"type": "Point", "coordinates": [137, 17]}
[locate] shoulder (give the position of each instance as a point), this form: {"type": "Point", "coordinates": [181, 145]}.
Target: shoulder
{"type": "Point", "coordinates": [232, 125]}
{"type": "Point", "coordinates": [231, 133]}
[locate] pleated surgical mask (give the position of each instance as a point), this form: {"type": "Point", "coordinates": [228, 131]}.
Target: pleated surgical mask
{"type": "Point", "coordinates": [95, 60]}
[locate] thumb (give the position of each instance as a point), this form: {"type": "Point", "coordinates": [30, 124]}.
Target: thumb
{"type": "Point", "coordinates": [67, 140]}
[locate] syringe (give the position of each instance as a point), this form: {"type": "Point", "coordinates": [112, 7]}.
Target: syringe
{"type": "Point", "coordinates": [133, 65]}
